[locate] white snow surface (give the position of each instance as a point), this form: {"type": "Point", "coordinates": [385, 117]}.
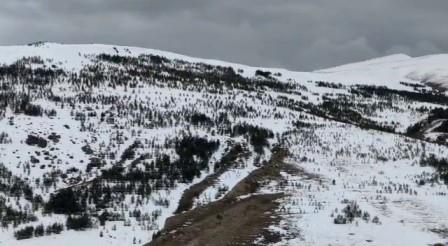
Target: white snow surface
{"type": "Point", "coordinates": [386, 71]}
{"type": "Point", "coordinates": [431, 68]}
{"type": "Point", "coordinates": [332, 151]}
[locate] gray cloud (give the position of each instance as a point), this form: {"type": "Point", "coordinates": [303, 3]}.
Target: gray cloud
{"type": "Point", "coordinates": [296, 34]}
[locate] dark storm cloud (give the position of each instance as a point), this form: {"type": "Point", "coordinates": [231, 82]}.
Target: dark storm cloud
{"type": "Point", "coordinates": [296, 34]}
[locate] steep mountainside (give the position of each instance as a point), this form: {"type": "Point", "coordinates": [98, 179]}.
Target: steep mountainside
{"type": "Point", "coordinates": [112, 145]}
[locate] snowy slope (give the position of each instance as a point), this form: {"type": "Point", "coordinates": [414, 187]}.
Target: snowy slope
{"type": "Point", "coordinates": [386, 71]}
{"type": "Point", "coordinates": [111, 117]}
{"type": "Point", "coordinates": [429, 69]}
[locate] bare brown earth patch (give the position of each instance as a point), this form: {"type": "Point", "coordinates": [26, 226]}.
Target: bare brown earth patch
{"type": "Point", "coordinates": [232, 220]}
{"type": "Point", "coordinates": [228, 161]}
{"type": "Point", "coordinates": [270, 171]}
{"type": "Point", "coordinates": [225, 222]}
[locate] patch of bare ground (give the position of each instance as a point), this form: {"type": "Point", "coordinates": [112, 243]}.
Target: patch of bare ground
{"type": "Point", "coordinates": [232, 220]}
{"type": "Point", "coordinates": [270, 171]}
{"type": "Point", "coordinates": [228, 161]}
{"type": "Point", "coordinates": [225, 222]}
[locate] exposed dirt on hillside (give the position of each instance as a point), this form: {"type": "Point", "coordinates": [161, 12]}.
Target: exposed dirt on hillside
{"type": "Point", "coordinates": [232, 220]}
{"type": "Point", "coordinates": [225, 222]}
{"type": "Point", "coordinates": [228, 160]}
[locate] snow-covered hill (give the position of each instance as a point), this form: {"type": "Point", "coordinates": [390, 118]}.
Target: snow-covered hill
{"type": "Point", "coordinates": [428, 69]}
{"type": "Point", "coordinates": [388, 71]}
{"type": "Point", "coordinates": [100, 144]}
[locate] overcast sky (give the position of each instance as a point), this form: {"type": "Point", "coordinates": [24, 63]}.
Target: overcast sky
{"type": "Point", "coordinates": [295, 34]}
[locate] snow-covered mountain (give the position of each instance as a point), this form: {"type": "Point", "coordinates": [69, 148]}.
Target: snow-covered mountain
{"type": "Point", "coordinates": [114, 145]}
{"type": "Point", "coordinates": [428, 69]}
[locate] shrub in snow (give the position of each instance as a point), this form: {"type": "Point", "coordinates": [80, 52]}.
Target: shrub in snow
{"type": "Point", "coordinates": [440, 164]}
{"type": "Point", "coordinates": [24, 233]}
{"type": "Point", "coordinates": [39, 231]}
{"type": "Point", "coordinates": [78, 223]}
{"type": "Point", "coordinates": [265, 74]}
{"type": "Point", "coordinates": [55, 228]}
{"type": "Point", "coordinates": [4, 138]}
{"type": "Point", "coordinates": [340, 220]}
{"type": "Point", "coordinates": [36, 141]}
{"type": "Point", "coordinates": [352, 211]}
{"type": "Point", "coordinates": [65, 201]}
{"type": "Point", "coordinates": [376, 220]}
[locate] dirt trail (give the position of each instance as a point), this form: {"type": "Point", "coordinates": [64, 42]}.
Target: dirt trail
{"type": "Point", "coordinates": [228, 160]}
{"type": "Point", "coordinates": [231, 220]}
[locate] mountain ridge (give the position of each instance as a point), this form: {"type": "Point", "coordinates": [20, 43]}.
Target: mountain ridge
{"type": "Point", "coordinates": [67, 55]}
